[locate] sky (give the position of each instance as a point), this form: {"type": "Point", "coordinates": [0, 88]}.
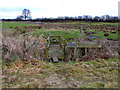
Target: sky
{"type": "Point", "coordinates": [55, 8]}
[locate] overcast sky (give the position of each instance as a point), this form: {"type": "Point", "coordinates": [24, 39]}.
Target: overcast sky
{"type": "Point", "coordinates": [55, 8]}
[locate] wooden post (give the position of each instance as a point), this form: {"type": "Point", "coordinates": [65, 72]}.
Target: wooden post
{"type": "Point", "coordinates": [81, 28]}
{"type": "Point", "coordinates": [81, 33]}
{"type": "Point", "coordinates": [75, 51]}
{"type": "Point", "coordinates": [86, 50]}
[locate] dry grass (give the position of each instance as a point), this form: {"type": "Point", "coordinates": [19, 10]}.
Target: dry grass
{"type": "Point", "coordinates": [23, 47]}
{"type": "Point", "coordinates": [90, 74]}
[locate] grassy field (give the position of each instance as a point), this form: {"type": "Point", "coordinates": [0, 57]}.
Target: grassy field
{"type": "Point", "coordinates": [66, 34]}
{"type": "Point", "coordinates": [75, 33]}
{"type": "Point", "coordinates": [113, 36]}
{"type": "Point", "coordinates": [98, 73]}
{"type": "Point", "coordinates": [8, 25]}
{"type": "Point", "coordinates": [91, 74]}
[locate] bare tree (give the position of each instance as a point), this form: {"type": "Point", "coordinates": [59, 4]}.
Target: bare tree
{"type": "Point", "coordinates": [26, 14]}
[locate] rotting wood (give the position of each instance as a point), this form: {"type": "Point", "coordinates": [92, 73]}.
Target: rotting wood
{"type": "Point", "coordinates": [68, 50]}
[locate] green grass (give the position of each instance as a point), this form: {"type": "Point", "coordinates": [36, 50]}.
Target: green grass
{"type": "Point", "coordinates": [74, 34]}
{"type": "Point", "coordinates": [64, 34]}
{"type": "Point", "coordinates": [8, 25]}
{"type": "Point", "coordinates": [113, 36]}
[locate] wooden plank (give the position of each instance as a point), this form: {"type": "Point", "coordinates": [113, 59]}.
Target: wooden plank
{"type": "Point", "coordinates": [84, 45]}
{"type": "Point", "coordinates": [55, 47]}
{"type": "Point", "coordinates": [55, 59]}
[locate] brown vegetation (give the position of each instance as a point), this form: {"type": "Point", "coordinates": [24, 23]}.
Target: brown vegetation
{"type": "Point", "coordinates": [77, 27]}
{"type": "Point", "coordinates": [23, 47]}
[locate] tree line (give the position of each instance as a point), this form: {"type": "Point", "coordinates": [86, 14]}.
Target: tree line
{"type": "Point", "coordinates": [26, 15]}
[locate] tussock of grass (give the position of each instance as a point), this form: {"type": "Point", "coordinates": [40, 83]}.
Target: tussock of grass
{"type": "Point", "coordinates": [90, 74]}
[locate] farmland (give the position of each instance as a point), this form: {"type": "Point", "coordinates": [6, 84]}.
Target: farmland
{"type": "Point", "coordinates": [24, 62]}
{"type": "Point", "coordinates": [65, 29]}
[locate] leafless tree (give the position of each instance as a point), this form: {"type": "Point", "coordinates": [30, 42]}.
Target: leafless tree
{"type": "Point", "coordinates": [26, 14]}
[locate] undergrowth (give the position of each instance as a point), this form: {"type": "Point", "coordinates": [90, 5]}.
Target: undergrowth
{"type": "Point", "coordinates": [88, 74]}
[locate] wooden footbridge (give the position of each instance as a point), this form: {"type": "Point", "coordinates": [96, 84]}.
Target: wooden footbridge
{"type": "Point", "coordinates": [58, 49]}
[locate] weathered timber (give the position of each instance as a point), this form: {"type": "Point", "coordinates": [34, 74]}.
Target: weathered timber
{"type": "Point", "coordinates": [58, 48]}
